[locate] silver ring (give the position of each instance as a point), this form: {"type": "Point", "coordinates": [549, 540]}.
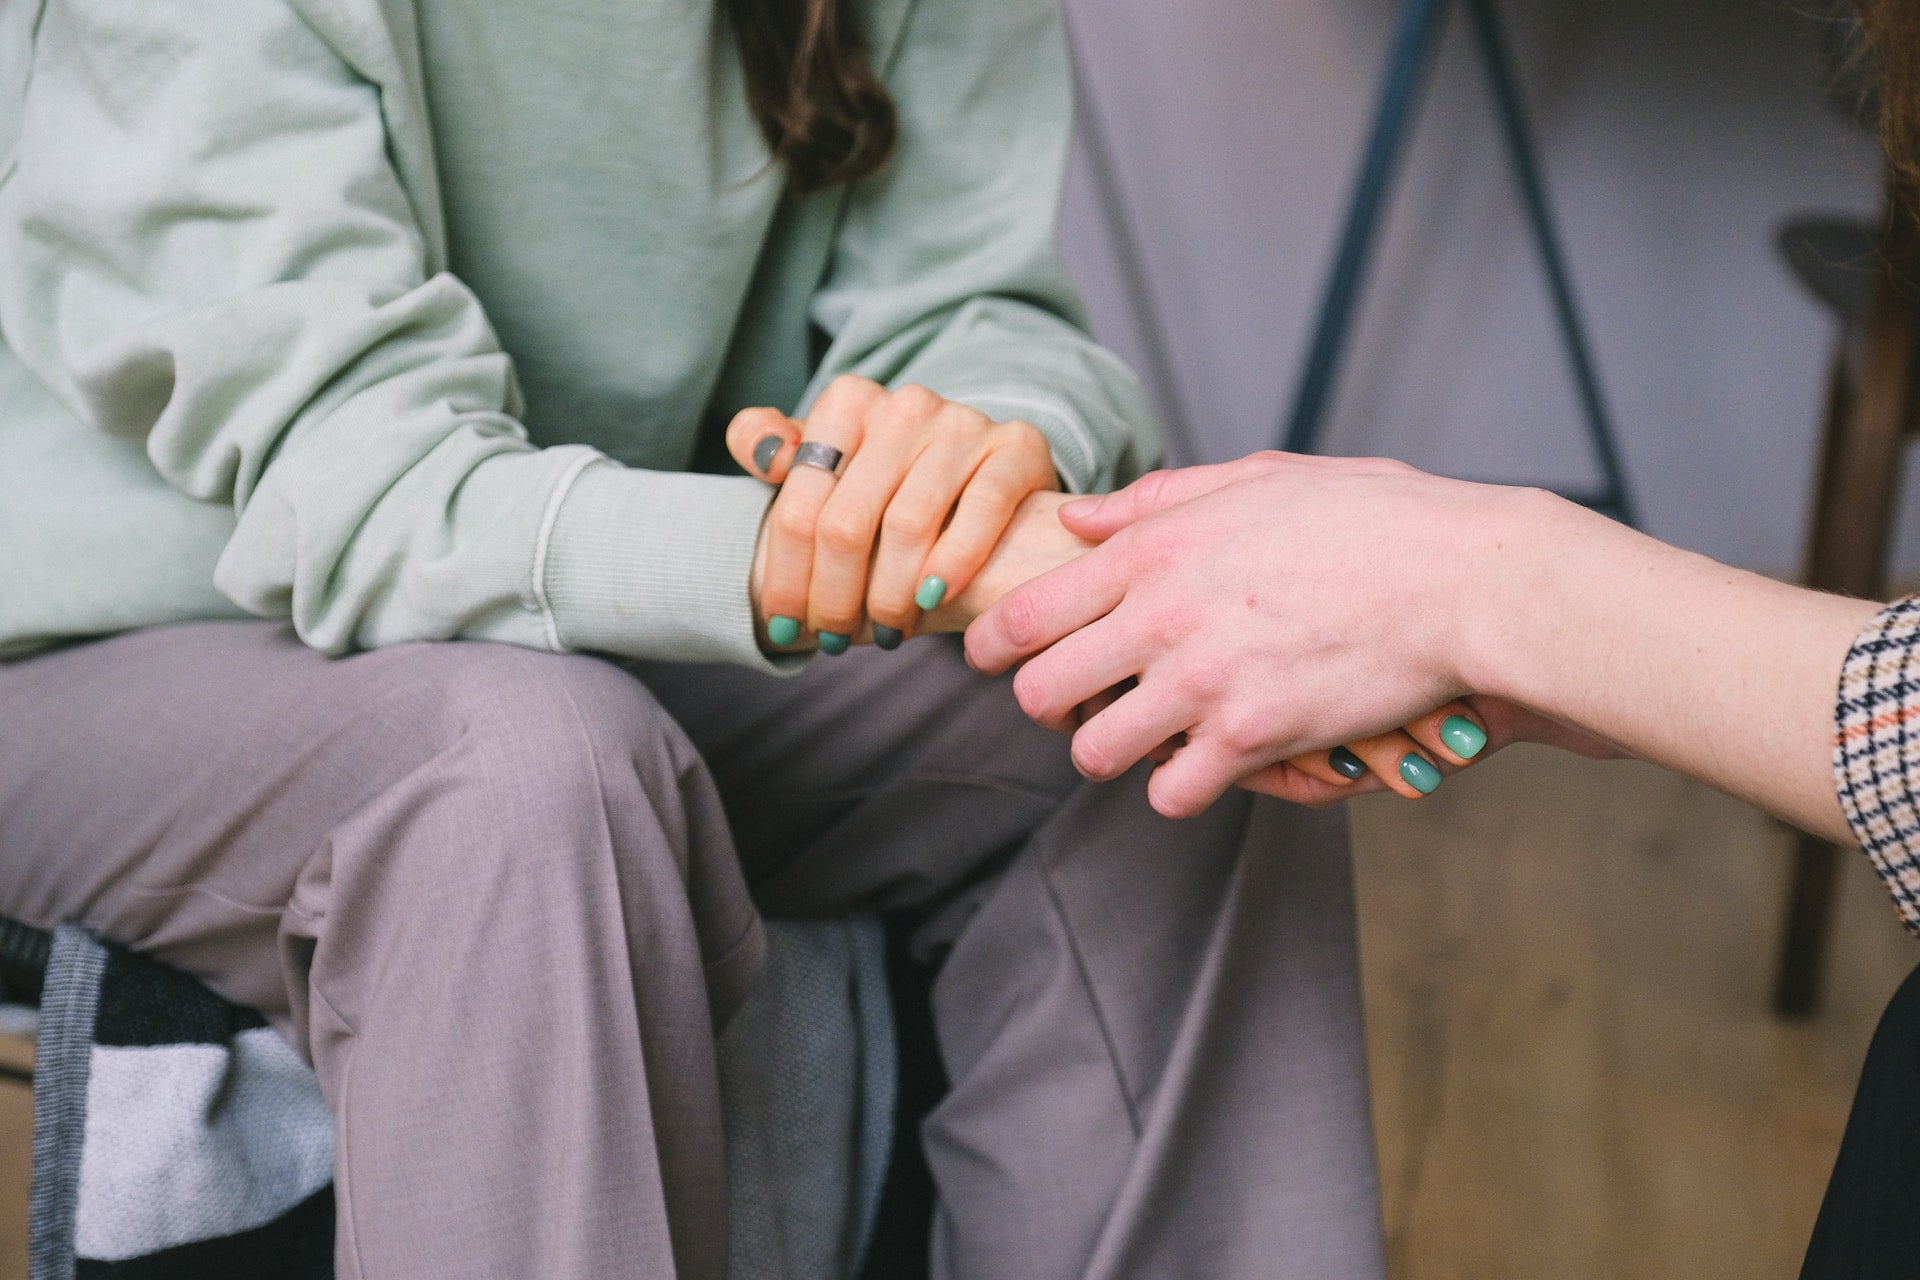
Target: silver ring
{"type": "Point", "coordinates": [822, 456]}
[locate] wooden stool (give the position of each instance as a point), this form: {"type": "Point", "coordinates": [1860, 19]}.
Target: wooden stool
{"type": "Point", "coordinates": [1866, 276]}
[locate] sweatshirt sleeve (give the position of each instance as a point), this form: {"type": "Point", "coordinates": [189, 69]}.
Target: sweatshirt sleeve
{"type": "Point", "coordinates": [205, 247]}
{"type": "Point", "coordinates": [945, 271]}
{"type": "Point", "coordinates": [1876, 750]}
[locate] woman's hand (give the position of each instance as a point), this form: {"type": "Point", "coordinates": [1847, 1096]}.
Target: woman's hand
{"type": "Point", "coordinates": [925, 492]}
{"type": "Point", "coordinates": [1033, 543]}
{"type": "Point", "coordinates": [1488, 724]}
{"type": "Point", "coordinates": [1278, 606]}
{"type": "Point", "coordinates": [1265, 609]}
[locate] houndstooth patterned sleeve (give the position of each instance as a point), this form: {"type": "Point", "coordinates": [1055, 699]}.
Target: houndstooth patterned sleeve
{"type": "Point", "coordinates": [1876, 749]}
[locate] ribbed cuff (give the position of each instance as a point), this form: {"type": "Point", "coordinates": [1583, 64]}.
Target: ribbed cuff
{"type": "Point", "coordinates": [1075, 455]}
{"type": "Point", "coordinates": [656, 565]}
{"type": "Point", "coordinates": [1876, 750]}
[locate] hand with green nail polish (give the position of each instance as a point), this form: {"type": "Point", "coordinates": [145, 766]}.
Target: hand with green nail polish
{"type": "Point", "coordinates": [925, 491]}
{"type": "Point", "coordinates": [1186, 594]}
{"type": "Point", "coordinates": [1272, 610]}
{"type": "Point", "coordinates": [1418, 772]}
{"type": "Point", "coordinates": [1034, 542]}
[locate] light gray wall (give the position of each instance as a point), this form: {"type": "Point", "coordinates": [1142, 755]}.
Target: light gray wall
{"type": "Point", "coordinates": [1676, 134]}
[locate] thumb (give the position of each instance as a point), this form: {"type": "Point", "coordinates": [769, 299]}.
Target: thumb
{"type": "Point", "coordinates": [1100, 518]}
{"type": "Point", "coordinates": [762, 441]}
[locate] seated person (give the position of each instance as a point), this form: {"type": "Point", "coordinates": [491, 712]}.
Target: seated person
{"type": "Point", "coordinates": [385, 651]}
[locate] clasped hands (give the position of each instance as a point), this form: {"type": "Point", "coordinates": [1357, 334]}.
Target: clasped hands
{"type": "Point", "coordinates": [1204, 618]}
{"type": "Point", "coordinates": [936, 511]}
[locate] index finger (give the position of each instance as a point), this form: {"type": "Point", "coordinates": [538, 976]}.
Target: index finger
{"type": "Point", "coordinates": [787, 582]}
{"type": "Point", "coordinates": [762, 441]}
{"type": "Point", "coordinates": [1044, 609]}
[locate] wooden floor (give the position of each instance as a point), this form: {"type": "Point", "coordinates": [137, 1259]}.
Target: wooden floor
{"type": "Point", "coordinates": [16, 1142]}
{"type": "Point", "coordinates": [1574, 1071]}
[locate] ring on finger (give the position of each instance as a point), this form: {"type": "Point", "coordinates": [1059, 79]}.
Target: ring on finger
{"type": "Point", "coordinates": [822, 457]}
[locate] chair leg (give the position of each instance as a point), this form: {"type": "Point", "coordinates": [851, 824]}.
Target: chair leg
{"type": "Point", "coordinates": [1503, 81]}
{"type": "Point", "coordinates": [1847, 552]}
{"type": "Point", "coordinates": [1415, 45]}
{"type": "Point", "coordinates": [1803, 937]}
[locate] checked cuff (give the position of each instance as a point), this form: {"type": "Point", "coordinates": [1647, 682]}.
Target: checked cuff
{"type": "Point", "coordinates": [1876, 749]}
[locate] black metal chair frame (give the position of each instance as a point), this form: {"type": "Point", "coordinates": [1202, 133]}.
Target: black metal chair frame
{"type": "Point", "coordinates": [1410, 61]}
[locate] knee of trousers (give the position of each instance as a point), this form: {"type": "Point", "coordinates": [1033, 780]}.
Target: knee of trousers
{"type": "Point", "coordinates": [504, 759]}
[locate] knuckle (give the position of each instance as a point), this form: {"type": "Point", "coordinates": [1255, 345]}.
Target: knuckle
{"type": "Point", "coordinates": [846, 396]}
{"type": "Point", "coordinates": [960, 555]}
{"type": "Point", "coordinates": [994, 487]}
{"type": "Point", "coordinates": [845, 532]}
{"type": "Point", "coordinates": [914, 402]}
{"type": "Point", "coordinates": [794, 521]}
{"type": "Point", "coordinates": [1242, 734]}
{"type": "Point", "coordinates": [957, 422]}
{"type": "Point", "coordinates": [1025, 438]}
{"type": "Point", "coordinates": [1381, 466]}
{"type": "Point", "coordinates": [892, 612]}
{"type": "Point", "coordinates": [1152, 487]}
{"type": "Point", "coordinates": [1020, 618]}
{"type": "Point", "coordinates": [1203, 678]}
{"type": "Point", "coordinates": [912, 522]}
{"type": "Point", "coordinates": [1168, 626]}
{"type": "Point", "coordinates": [850, 386]}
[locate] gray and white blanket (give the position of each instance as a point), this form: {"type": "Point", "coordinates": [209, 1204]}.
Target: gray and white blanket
{"type": "Point", "coordinates": [177, 1135]}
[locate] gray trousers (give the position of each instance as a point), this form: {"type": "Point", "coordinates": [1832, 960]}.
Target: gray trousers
{"type": "Point", "coordinates": [502, 899]}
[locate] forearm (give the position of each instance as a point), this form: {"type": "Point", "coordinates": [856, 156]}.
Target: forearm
{"type": "Point", "coordinates": [1723, 675]}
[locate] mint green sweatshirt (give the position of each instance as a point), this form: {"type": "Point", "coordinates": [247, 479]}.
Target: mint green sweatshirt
{"type": "Point", "coordinates": [415, 319]}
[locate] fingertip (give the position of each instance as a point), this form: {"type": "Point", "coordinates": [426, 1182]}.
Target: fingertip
{"type": "Point", "coordinates": [759, 440]}
{"type": "Point", "coordinates": [1092, 763]}
{"type": "Point", "coordinates": [1158, 801]}
{"type": "Point", "coordinates": [1463, 737]}
{"type": "Point", "coordinates": [1419, 773]}
{"type": "Point", "coordinates": [1081, 514]}
{"type": "Point", "coordinates": [765, 451]}
{"type": "Point", "coordinates": [977, 647]}
{"type": "Point", "coordinates": [1172, 795]}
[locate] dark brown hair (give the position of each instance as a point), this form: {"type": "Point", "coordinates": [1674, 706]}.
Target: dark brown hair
{"type": "Point", "coordinates": [1893, 29]}
{"type": "Point", "coordinates": [810, 84]}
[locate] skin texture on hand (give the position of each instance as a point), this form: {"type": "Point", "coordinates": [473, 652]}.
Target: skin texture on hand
{"type": "Point", "coordinates": [926, 490]}
{"type": "Point", "coordinates": [1282, 605]}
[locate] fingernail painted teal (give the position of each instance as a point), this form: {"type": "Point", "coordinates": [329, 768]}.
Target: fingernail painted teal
{"type": "Point", "coordinates": [1420, 774]}
{"type": "Point", "coordinates": [1346, 764]}
{"type": "Point", "coordinates": [783, 630]}
{"type": "Point", "coordinates": [931, 593]}
{"type": "Point", "coordinates": [1463, 737]}
{"type": "Point", "coordinates": [887, 637]}
{"type": "Point", "coordinates": [764, 451]}
{"type": "Point", "coordinates": [833, 643]}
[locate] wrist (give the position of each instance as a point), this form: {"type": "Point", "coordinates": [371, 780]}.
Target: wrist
{"type": "Point", "coordinates": [1519, 576]}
